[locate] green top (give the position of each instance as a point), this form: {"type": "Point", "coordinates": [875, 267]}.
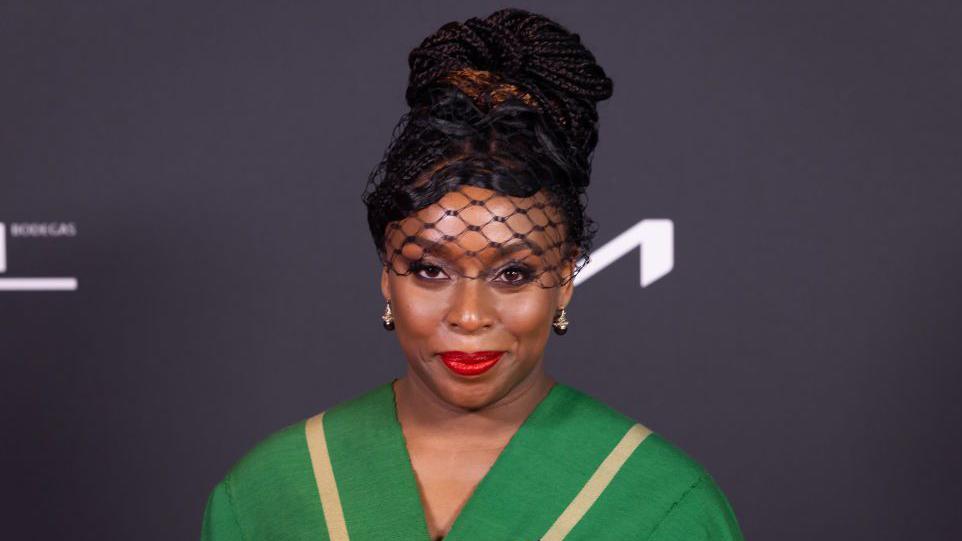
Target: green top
{"type": "Point", "coordinates": [573, 458]}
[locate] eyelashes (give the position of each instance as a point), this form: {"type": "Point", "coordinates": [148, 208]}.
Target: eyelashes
{"type": "Point", "coordinates": [420, 269]}
{"type": "Point", "coordinates": [515, 274]}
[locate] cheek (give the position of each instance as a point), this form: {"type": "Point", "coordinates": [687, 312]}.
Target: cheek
{"type": "Point", "coordinates": [528, 317]}
{"type": "Point", "coordinates": [420, 310]}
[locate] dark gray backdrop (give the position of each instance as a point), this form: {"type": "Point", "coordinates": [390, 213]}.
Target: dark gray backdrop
{"type": "Point", "coordinates": [805, 348]}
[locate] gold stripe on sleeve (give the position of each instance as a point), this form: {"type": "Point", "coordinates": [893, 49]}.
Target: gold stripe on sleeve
{"type": "Point", "coordinates": [597, 483]}
{"type": "Point", "coordinates": [324, 475]}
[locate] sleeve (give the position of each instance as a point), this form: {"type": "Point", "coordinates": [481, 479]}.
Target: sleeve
{"type": "Point", "coordinates": [220, 521]}
{"type": "Point", "coordinates": [701, 514]}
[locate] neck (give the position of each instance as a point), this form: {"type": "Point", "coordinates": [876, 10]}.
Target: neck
{"type": "Point", "coordinates": [424, 414]}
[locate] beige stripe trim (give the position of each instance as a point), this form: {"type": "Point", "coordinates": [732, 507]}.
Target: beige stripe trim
{"type": "Point", "coordinates": [597, 483]}
{"type": "Point", "coordinates": [324, 475]}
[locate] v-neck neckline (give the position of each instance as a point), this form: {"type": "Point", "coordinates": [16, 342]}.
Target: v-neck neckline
{"type": "Point", "coordinates": [471, 502]}
{"type": "Point", "coordinates": [531, 483]}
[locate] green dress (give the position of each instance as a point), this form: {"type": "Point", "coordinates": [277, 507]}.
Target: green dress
{"type": "Point", "coordinates": [574, 470]}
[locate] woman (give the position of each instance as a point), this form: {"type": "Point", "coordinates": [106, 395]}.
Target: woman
{"type": "Point", "coordinates": [477, 214]}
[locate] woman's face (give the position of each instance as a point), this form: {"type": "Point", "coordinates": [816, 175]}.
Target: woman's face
{"type": "Point", "coordinates": [468, 277]}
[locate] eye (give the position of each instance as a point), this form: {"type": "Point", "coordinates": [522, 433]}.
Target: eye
{"type": "Point", "coordinates": [516, 275]}
{"type": "Point", "coordinates": [426, 271]}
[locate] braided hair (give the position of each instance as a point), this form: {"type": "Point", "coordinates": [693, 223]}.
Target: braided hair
{"type": "Point", "coordinates": [507, 103]}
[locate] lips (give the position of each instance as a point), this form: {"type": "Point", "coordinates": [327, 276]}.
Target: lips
{"type": "Point", "coordinates": [470, 364]}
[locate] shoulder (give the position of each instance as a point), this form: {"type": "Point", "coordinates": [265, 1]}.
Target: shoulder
{"type": "Point", "coordinates": [280, 462]}
{"type": "Point", "coordinates": [276, 456]}
{"type": "Point", "coordinates": [689, 503]}
{"type": "Point", "coordinates": [701, 512]}
{"type": "Point", "coordinates": [283, 454]}
{"type": "Point", "coordinates": [670, 493]}
{"type": "Point", "coordinates": [657, 460]}
{"type": "Point", "coordinates": [272, 479]}
{"type": "Point", "coordinates": [275, 469]}
{"type": "Point", "coordinates": [271, 491]}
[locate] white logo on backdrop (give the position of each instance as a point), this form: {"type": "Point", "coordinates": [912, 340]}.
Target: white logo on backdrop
{"type": "Point", "coordinates": [31, 283]}
{"type": "Point", "coordinates": [655, 239]}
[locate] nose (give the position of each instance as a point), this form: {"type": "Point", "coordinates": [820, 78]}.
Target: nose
{"type": "Point", "coordinates": [471, 309]}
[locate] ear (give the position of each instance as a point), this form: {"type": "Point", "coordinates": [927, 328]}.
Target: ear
{"type": "Point", "coordinates": [385, 283]}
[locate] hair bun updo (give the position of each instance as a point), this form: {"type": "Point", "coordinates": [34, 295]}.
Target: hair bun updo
{"type": "Point", "coordinates": [548, 66]}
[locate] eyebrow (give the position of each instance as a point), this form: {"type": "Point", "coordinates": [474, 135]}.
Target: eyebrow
{"type": "Point", "coordinates": [509, 247]}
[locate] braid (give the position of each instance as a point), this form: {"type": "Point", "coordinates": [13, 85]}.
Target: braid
{"type": "Point", "coordinates": [531, 51]}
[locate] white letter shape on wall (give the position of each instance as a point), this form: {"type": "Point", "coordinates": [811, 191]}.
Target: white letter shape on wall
{"type": "Point", "coordinates": [656, 240]}
{"type": "Point", "coordinates": [3, 248]}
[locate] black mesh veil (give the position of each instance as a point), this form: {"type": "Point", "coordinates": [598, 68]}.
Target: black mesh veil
{"type": "Point", "coordinates": [479, 233]}
{"type": "Point", "coordinates": [469, 190]}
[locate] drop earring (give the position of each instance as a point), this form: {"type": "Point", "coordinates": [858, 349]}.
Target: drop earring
{"type": "Point", "coordinates": [388, 317]}
{"type": "Point", "coordinates": [560, 322]}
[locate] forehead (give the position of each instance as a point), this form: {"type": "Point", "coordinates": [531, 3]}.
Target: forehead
{"type": "Point", "coordinates": [477, 220]}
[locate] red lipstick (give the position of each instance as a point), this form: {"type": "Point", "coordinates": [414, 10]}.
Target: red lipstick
{"type": "Point", "coordinates": [470, 364]}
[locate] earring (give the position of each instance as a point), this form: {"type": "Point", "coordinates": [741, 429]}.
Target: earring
{"type": "Point", "coordinates": [560, 322]}
{"type": "Point", "coordinates": [388, 317]}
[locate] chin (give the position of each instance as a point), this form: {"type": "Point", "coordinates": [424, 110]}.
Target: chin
{"type": "Point", "coordinates": [471, 393]}
{"type": "Point", "coordinates": [464, 393]}
{"type": "Point", "coordinates": [474, 393]}
{"type": "Point", "coordinates": [471, 396]}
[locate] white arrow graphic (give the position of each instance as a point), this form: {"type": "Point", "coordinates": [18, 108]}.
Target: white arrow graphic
{"type": "Point", "coordinates": [656, 240]}
{"type": "Point", "coordinates": [3, 247]}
